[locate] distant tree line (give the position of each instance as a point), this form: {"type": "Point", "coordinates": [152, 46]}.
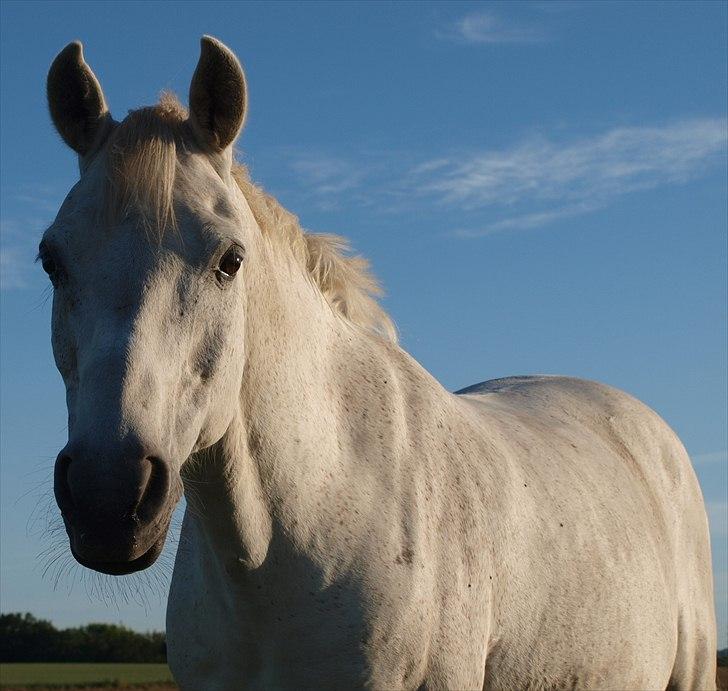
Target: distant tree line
{"type": "Point", "coordinates": [23, 638]}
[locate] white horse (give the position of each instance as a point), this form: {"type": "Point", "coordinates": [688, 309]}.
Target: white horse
{"type": "Point", "coordinates": [351, 523]}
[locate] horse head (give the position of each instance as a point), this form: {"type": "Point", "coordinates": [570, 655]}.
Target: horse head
{"type": "Point", "coordinates": [146, 260]}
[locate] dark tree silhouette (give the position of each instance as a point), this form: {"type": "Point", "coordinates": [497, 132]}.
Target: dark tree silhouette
{"type": "Point", "coordinates": [23, 638]}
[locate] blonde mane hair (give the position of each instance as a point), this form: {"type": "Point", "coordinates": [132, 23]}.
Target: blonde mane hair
{"type": "Point", "coordinates": [141, 166]}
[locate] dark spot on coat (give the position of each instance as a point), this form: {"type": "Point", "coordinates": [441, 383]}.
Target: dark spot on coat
{"type": "Point", "coordinates": [405, 557]}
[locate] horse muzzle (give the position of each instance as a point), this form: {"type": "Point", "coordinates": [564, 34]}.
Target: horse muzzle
{"type": "Point", "coordinates": [116, 507]}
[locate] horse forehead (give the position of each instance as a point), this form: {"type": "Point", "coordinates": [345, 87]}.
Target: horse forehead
{"type": "Point", "coordinates": [81, 228]}
{"type": "Point", "coordinates": [205, 208]}
{"type": "Point", "coordinates": [200, 189]}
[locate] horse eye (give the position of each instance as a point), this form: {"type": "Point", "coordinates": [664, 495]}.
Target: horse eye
{"type": "Point", "coordinates": [230, 262]}
{"type": "Point", "coordinates": [49, 266]}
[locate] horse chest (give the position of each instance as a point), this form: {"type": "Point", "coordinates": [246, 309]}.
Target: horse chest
{"type": "Point", "coordinates": [267, 643]}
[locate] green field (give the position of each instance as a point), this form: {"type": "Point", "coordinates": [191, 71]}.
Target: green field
{"type": "Point", "coordinates": [68, 673]}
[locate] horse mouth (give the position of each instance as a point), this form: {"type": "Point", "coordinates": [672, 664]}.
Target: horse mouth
{"type": "Point", "coordinates": [123, 568]}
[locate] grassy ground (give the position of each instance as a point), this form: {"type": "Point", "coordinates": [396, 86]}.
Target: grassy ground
{"type": "Point", "coordinates": [90, 677]}
{"type": "Point", "coordinates": [722, 678]}
{"type": "Point", "coordinates": [72, 674]}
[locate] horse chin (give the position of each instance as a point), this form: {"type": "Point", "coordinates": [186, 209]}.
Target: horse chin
{"type": "Point", "coordinates": [123, 568]}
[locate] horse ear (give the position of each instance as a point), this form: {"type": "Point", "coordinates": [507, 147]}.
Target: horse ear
{"type": "Point", "coordinates": [75, 99]}
{"type": "Point", "coordinates": [218, 95]}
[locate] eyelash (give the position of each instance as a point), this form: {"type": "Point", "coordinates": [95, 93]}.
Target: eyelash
{"type": "Point", "coordinates": [50, 266]}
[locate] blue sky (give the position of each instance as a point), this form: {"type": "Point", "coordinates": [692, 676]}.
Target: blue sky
{"type": "Point", "coordinates": [540, 186]}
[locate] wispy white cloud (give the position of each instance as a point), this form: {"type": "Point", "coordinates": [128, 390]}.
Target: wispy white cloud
{"type": "Point", "coordinates": [18, 245]}
{"type": "Point", "coordinates": [717, 517]}
{"type": "Point", "coordinates": [26, 211]}
{"type": "Point", "coordinates": [325, 174]}
{"type": "Point", "coordinates": [42, 198]}
{"type": "Point", "coordinates": [543, 181]}
{"type": "Point", "coordinates": [329, 180]}
{"type": "Point", "coordinates": [615, 162]}
{"type": "Point", "coordinates": [536, 182]}
{"type": "Point", "coordinates": [12, 275]}
{"type": "Point", "coordinates": [488, 28]}
{"type": "Point", "coordinates": [529, 220]}
{"type": "Point", "coordinates": [711, 457]}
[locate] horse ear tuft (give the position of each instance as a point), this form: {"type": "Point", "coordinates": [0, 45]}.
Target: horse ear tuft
{"type": "Point", "coordinates": [218, 95]}
{"type": "Point", "coordinates": [75, 99]}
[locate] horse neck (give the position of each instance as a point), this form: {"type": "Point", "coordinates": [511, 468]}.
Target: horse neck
{"type": "Point", "coordinates": [315, 389]}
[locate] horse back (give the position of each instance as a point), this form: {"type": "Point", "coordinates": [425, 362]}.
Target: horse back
{"type": "Point", "coordinates": [612, 426]}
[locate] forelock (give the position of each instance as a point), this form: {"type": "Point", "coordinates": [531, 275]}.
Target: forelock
{"type": "Point", "coordinates": [141, 165]}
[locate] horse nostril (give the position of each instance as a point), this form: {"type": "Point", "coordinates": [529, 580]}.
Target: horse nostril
{"type": "Point", "coordinates": [154, 494]}
{"type": "Point", "coordinates": [61, 488]}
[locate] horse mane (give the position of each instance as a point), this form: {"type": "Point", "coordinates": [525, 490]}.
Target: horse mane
{"type": "Point", "coordinates": [141, 166]}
